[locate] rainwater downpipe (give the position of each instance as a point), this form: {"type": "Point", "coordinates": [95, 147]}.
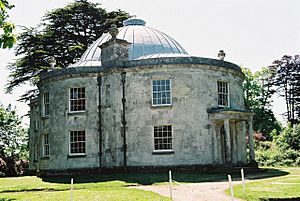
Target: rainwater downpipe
{"type": "Point", "coordinates": [99, 80]}
{"type": "Point", "coordinates": [123, 80]}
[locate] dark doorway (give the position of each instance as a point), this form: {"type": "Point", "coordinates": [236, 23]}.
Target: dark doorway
{"type": "Point", "coordinates": [222, 143]}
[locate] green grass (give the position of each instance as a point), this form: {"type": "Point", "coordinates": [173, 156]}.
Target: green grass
{"type": "Point", "coordinates": [105, 187]}
{"type": "Point", "coordinates": [110, 187]}
{"type": "Point", "coordinates": [287, 186]}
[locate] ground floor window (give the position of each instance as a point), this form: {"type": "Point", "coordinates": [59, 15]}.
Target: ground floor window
{"type": "Point", "coordinates": [163, 137]}
{"type": "Point", "coordinates": [46, 145]}
{"type": "Point", "coordinates": [77, 142]}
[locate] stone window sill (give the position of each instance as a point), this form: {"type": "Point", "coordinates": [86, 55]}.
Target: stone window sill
{"type": "Point", "coordinates": [76, 155]}
{"type": "Point", "coordinates": [45, 158]}
{"type": "Point", "coordinates": [162, 152]}
{"type": "Point", "coordinates": [161, 106]}
{"type": "Point", "coordinates": [76, 112]}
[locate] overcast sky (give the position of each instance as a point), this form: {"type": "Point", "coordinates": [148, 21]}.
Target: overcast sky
{"type": "Point", "coordinates": [252, 33]}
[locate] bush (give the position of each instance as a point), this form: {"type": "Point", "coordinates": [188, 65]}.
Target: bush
{"type": "Point", "coordinates": [22, 167]}
{"type": "Point", "coordinates": [3, 167]}
{"type": "Point", "coordinates": [289, 138]}
{"type": "Point", "coordinates": [270, 154]}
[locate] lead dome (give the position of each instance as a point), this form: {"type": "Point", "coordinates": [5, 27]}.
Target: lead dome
{"type": "Point", "coordinates": [144, 41]}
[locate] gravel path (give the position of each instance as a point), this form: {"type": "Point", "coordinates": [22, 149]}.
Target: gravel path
{"type": "Point", "coordinates": [208, 191]}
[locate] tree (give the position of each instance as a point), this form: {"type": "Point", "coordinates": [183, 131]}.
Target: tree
{"type": "Point", "coordinates": [287, 83]}
{"type": "Point", "coordinates": [258, 90]}
{"type": "Point", "coordinates": [65, 33]}
{"type": "Point", "coordinates": [13, 137]}
{"type": "Point", "coordinates": [7, 38]}
{"type": "Point", "coordinates": [13, 143]}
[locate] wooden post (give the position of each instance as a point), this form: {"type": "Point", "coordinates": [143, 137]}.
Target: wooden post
{"type": "Point", "coordinates": [170, 182]}
{"type": "Point", "coordinates": [231, 187]}
{"type": "Point", "coordinates": [243, 179]}
{"type": "Point", "coordinates": [71, 193]}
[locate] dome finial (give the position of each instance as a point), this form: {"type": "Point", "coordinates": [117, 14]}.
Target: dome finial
{"type": "Point", "coordinates": [113, 31]}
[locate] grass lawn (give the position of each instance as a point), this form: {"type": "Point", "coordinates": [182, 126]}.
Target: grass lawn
{"type": "Point", "coordinates": [110, 187]}
{"type": "Point", "coordinates": [89, 188]}
{"type": "Point", "coordinates": [287, 186]}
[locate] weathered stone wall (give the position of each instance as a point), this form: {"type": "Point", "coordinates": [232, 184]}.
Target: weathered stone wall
{"type": "Point", "coordinates": [60, 122]}
{"type": "Point", "coordinates": [194, 90]}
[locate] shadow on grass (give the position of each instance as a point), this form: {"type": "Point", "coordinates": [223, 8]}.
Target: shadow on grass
{"type": "Point", "coordinates": [7, 199]}
{"type": "Point", "coordinates": [153, 178]}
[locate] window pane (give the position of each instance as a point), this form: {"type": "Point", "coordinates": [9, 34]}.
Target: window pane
{"type": "Point", "coordinates": [161, 92]}
{"type": "Point", "coordinates": [77, 99]}
{"type": "Point", "coordinates": [163, 137]}
{"type": "Point", "coordinates": [77, 142]}
{"type": "Point", "coordinates": [222, 93]}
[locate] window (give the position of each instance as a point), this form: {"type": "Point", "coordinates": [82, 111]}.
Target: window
{"type": "Point", "coordinates": [46, 104]}
{"type": "Point", "coordinates": [77, 142]}
{"type": "Point", "coordinates": [77, 99]}
{"type": "Point", "coordinates": [223, 98]}
{"type": "Point", "coordinates": [161, 92]}
{"type": "Point", "coordinates": [36, 125]}
{"type": "Point", "coordinates": [46, 145]}
{"type": "Point", "coordinates": [163, 137]}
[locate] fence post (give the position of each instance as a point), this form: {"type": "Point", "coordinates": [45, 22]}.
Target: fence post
{"type": "Point", "coordinates": [71, 193]}
{"type": "Point", "coordinates": [243, 179]}
{"type": "Point", "coordinates": [231, 187]}
{"type": "Point", "coordinates": [170, 182]}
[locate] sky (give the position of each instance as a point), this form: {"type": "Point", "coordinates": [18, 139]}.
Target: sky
{"type": "Point", "coordinates": [252, 33]}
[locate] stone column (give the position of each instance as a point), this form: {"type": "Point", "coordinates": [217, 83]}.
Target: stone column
{"type": "Point", "coordinates": [227, 142]}
{"type": "Point", "coordinates": [215, 143]}
{"type": "Point", "coordinates": [234, 143]}
{"type": "Point", "coordinates": [250, 139]}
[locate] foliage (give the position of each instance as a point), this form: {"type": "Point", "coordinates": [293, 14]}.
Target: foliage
{"type": "Point", "coordinates": [280, 187]}
{"type": "Point", "coordinates": [258, 92]}
{"type": "Point", "coordinates": [284, 150]}
{"type": "Point", "coordinates": [13, 137]}
{"type": "Point", "coordinates": [287, 83]}
{"type": "Point", "coordinates": [3, 167]}
{"type": "Point", "coordinates": [289, 138]}
{"type": "Point", "coordinates": [7, 38]}
{"type": "Point", "coordinates": [277, 157]}
{"type": "Point", "coordinates": [64, 33]}
{"type": "Point", "coordinates": [13, 141]}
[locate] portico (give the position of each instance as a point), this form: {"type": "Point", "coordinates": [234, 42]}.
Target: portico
{"type": "Point", "coordinates": [230, 131]}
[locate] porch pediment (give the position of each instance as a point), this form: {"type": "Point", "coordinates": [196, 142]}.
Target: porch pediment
{"type": "Point", "coordinates": [229, 113]}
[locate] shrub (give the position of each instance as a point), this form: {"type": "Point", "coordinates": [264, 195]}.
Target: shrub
{"type": "Point", "coordinates": [270, 154]}
{"type": "Point", "coordinates": [3, 167]}
{"type": "Point", "coordinates": [22, 167]}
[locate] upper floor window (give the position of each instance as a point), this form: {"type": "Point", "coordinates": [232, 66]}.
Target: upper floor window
{"type": "Point", "coordinates": [46, 145]}
{"type": "Point", "coordinates": [163, 137]}
{"type": "Point", "coordinates": [161, 92]}
{"type": "Point", "coordinates": [223, 94]}
{"type": "Point", "coordinates": [77, 99]}
{"type": "Point", "coordinates": [77, 142]}
{"type": "Point", "coordinates": [46, 104]}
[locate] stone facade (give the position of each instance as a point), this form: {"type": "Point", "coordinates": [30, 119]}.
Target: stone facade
{"type": "Point", "coordinates": [203, 133]}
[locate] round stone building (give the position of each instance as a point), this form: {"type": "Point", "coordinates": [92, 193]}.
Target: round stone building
{"type": "Point", "coordinates": [136, 100]}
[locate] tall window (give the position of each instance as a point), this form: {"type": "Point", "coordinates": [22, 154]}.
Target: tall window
{"type": "Point", "coordinates": [223, 97]}
{"type": "Point", "coordinates": [77, 142]}
{"type": "Point", "coordinates": [161, 92]}
{"type": "Point", "coordinates": [163, 137]}
{"type": "Point", "coordinates": [46, 104]}
{"type": "Point", "coordinates": [77, 99]}
{"type": "Point", "coordinates": [46, 145]}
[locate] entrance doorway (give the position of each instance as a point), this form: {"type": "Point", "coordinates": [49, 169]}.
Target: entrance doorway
{"type": "Point", "coordinates": [223, 144]}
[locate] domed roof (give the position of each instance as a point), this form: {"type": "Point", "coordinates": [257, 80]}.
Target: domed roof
{"type": "Point", "coordinates": [144, 41]}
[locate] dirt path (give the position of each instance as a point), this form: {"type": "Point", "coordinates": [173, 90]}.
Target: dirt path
{"type": "Point", "coordinates": [208, 191]}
